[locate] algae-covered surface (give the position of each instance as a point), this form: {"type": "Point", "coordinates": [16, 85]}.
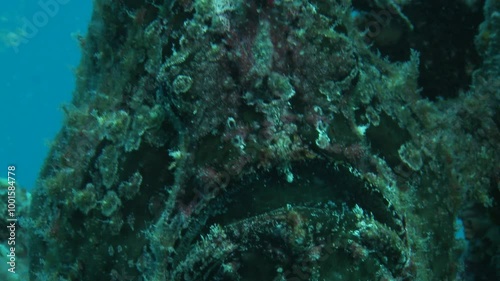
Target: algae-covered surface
{"type": "Point", "coordinates": [276, 140]}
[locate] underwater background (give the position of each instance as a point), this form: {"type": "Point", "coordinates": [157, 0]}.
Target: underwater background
{"type": "Point", "coordinates": [36, 78]}
{"type": "Point", "coordinates": [279, 140]}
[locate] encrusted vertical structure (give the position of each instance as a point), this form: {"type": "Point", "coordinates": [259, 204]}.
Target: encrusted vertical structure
{"type": "Point", "coordinates": [254, 140]}
{"type": "Point", "coordinates": [480, 116]}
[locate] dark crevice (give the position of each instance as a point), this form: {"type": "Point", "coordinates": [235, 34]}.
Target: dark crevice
{"type": "Point", "coordinates": [443, 34]}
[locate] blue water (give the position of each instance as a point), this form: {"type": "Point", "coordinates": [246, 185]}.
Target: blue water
{"type": "Point", "coordinates": [38, 54]}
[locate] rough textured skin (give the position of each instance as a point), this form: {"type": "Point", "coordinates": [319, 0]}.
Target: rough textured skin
{"type": "Point", "coordinates": [260, 140]}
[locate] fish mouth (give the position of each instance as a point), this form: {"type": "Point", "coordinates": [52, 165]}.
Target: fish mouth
{"type": "Point", "coordinates": [328, 223]}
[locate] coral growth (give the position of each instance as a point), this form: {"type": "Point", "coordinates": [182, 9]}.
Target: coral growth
{"type": "Point", "coordinates": [257, 140]}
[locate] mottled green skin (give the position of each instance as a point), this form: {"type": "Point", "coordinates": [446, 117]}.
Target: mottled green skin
{"type": "Point", "coordinates": [251, 140]}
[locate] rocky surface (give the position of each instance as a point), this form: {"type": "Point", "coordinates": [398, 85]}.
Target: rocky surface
{"type": "Point", "coordinates": [266, 140]}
